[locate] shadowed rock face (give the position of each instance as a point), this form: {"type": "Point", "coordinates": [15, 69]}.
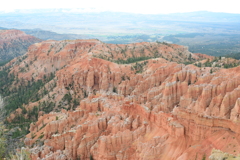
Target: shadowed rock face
{"type": "Point", "coordinates": [14, 43]}
{"type": "Point", "coordinates": [167, 111]}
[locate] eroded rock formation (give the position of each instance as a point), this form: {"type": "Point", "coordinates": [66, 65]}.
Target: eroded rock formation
{"type": "Point", "coordinates": [165, 110]}
{"type": "Point", "coordinates": [14, 43]}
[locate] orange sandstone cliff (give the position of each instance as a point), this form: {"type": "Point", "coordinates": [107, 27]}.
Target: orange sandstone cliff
{"type": "Point", "coordinates": [153, 109]}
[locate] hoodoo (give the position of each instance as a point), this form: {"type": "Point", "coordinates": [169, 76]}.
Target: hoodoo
{"type": "Point", "coordinates": [127, 102]}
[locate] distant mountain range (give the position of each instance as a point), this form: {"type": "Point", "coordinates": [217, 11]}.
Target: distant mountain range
{"type": "Point", "coordinates": [45, 35]}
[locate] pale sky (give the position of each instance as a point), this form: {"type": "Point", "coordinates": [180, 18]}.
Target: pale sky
{"type": "Point", "coordinates": [133, 6]}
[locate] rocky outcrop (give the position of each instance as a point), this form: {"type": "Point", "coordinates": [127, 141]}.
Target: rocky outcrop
{"type": "Point", "coordinates": [14, 43]}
